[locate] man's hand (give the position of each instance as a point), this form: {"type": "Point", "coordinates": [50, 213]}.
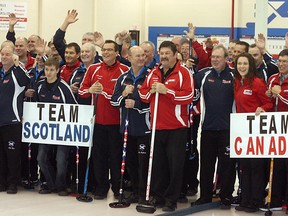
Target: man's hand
{"type": "Point", "coordinates": [96, 88]}
{"type": "Point", "coordinates": [191, 33]}
{"type": "Point", "coordinates": [70, 18]}
{"type": "Point", "coordinates": [261, 43]}
{"type": "Point", "coordinates": [276, 89]}
{"type": "Point", "coordinates": [190, 63]}
{"type": "Point", "coordinates": [29, 93]}
{"type": "Point", "coordinates": [16, 59]}
{"type": "Point", "coordinates": [40, 47]}
{"type": "Point", "coordinates": [259, 110]}
{"type": "Point", "coordinates": [99, 40]}
{"type": "Point", "coordinates": [128, 90]}
{"type": "Point", "coordinates": [158, 87]}
{"type": "Point", "coordinates": [74, 87]}
{"type": "Point", "coordinates": [121, 36]}
{"type": "Point", "coordinates": [129, 103]}
{"type": "Point", "coordinates": [12, 19]}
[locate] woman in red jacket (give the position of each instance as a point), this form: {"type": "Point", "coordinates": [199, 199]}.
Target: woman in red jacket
{"type": "Point", "coordinates": [249, 93]}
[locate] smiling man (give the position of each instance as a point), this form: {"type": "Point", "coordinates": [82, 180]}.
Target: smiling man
{"type": "Point", "coordinates": [216, 86]}
{"type": "Point", "coordinates": [175, 87]}
{"type": "Point", "coordinates": [12, 85]}
{"type": "Point", "coordinates": [100, 80]}
{"type": "Point", "coordinates": [72, 53]}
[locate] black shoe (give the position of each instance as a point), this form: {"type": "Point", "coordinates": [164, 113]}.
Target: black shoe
{"type": "Point", "coordinates": [192, 192]}
{"type": "Point", "coordinates": [12, 189]}
{"type": "Point", "coordinates": [44, 189]}
{"type": "Point", "coordinates": [63, 193]}
{"type": "Point", "coordinates": [225, 203]}
{"type": "Point", "coordinates": [252, 208]}
{"type": "Point", "coordinates": [100, 196]}
{"type": "Point", "coordinates": [201, 201]}
{"type": "Point", "coordinates": [182, 198]}
{"type": "Point", "coordinates": [236, 201]}
{"type": "Point", "coordinates": [157, 202]}
{"type": "Point", "coordinates": [241, 208]}
{"type": "Point", "coordinates": [169, 207]}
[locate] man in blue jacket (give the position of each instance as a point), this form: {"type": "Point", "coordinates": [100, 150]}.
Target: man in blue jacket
{"type": "Point", "coordinates": [14, 78]}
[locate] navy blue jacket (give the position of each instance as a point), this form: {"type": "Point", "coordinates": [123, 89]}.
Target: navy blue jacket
{"type": "Point", "coordinates": [267, 68]}
{"type": "Point", "coordinates": [218, 97]}
{"type": "Point", "coordinates": [77, 76]}
{"type": "Point", "coordinates": [12, 88]}
{"type": "Point", "coordinates": [59, 93]}
{"type": "Point", "coordinates": [139, 122]}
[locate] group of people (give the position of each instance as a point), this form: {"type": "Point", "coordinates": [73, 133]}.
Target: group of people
{"type": "Point", "coordinates": [126, 84]}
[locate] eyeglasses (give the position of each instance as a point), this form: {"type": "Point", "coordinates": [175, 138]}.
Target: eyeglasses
{"type": "Point", "coordinates": [107, 49]}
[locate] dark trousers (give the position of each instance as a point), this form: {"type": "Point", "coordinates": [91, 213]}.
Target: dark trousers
{"type": "Point", "coordinates": [253, 181]}
{"type": "Point", "coordinates": [10, 154]}
{"type": "Point", "coordinates": [29, 165]}
{"type": "Point", "coordinates": [106, 153]}
{"type": "Point", "coordinates": [191, 167]}
{"type": "Point", "coordinates": [137, 162]}
{"type": "Point", "coordinates": [168, 163]}
{"type": "Point", "coordinates": [280, 182]}
{"type": "Point", "coordinates": [56, 179]}
{"type": "Point", "coordinates": [216, 144]}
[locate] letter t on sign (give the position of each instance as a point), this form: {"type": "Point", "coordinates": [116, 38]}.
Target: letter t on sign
{"type": "Point", "coordinates": [40, 106]}
{"type": "Point", "coordinates": [250, 119]}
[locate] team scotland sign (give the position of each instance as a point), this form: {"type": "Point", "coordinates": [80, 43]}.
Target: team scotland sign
{"type": "Point", "coordinates": [57, 124]}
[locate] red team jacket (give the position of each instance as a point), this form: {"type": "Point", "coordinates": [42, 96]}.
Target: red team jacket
{"type": "Point", "coordinates": [172, 107]}
{"type": "Point", "coordinates": [107, 76]}
{"type": "Point", "coordinates": [283, 96]}
{"type": "Point", "coordinates": [248, 99]}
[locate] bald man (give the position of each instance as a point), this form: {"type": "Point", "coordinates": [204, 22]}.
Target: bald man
{"type": "Point", "coordinates": [126, 97]}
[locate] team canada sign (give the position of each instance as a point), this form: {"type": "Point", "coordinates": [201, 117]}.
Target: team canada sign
{"type": "Point", "coordinates": [61, 124]}
{"type": "Point", "coordinates": [263, 136]}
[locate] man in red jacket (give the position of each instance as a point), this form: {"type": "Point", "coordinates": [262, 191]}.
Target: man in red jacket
{"type": "Point", "coordinates": [100, 80]}
{"type": "Point", "coordinates": [175, 85]}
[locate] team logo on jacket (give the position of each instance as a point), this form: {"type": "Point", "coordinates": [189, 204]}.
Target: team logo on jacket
{"type": "Point", "coordinates": [170, 80]}
{"type": "Point", "coordinates": [78, 78]}
{"type": "Point", "coordinates": [211, 80]}
{"type": "Point", "coordinates": [11, 145]}
{"type": "Point", "coordinates": [5, 81]}
{"type": "Point", "coordinates": [142, 149]}
{"type": "Point", "coordinates": [155, 79]}
{"type": "Point", "coordinates": [56, 97]}
{"type": "Point", "coordinates": [247, 92]}
{"type": "Point", "coordinates": [226, 81]}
